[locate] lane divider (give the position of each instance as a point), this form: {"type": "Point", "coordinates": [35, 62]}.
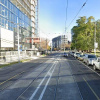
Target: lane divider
{"type": "Point", "coordinates": [91, 89]}
{"type": "Point", "coordinates": [88, 83]}
{"type": "Point", "coordinates": [41, 96]}
{"type": "Point", "coordinates": [11, 78]}
{"type": "Point", "coordinates": [33, 95]}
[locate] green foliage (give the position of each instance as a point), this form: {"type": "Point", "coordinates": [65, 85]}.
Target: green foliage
{"type": "Point", "coordinates": [83, 38]}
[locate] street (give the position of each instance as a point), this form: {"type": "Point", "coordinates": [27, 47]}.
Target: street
{"type": "Point", "coordinates": [53, 77]}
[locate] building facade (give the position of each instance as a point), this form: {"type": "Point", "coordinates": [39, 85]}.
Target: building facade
{"type": "Point", "coordinates": [59, 43]}
{"type": "Point", "coordinates": [17, 17]}
{"type": "Point", "coordinates": [72, 33]}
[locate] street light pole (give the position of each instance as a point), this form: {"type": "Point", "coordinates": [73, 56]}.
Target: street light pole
{"type": "Point", "coordinates": [95, 39]}
{"type": "Point", "coordinates": [18, 40]}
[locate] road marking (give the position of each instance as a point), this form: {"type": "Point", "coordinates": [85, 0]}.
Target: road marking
{"type": "Point", "coordinates": [32, 96]}
{"type": "Point", "coordinates": [87, 82]}
{"type": "Point", "coordinates": [41, 96]}
{"type": "Point", "coordinates": [91, 89]}
{"type": "Point", "coordinates": [75, 80]}
{"type": "Point", "coordinates": [11, 78]}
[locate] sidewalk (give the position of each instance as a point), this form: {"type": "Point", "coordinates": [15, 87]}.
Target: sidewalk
{"type": "Point", "coordinates": [15, 60]}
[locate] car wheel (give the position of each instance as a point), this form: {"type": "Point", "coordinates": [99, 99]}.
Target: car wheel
{"type": "Point", "coordinates": [94, 67]}
{"type": "Point", "coordinates": [88, 63]}
{"type": "Point", "coordinates": [83, 61]}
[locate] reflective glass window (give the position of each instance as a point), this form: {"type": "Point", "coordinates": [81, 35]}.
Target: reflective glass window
{"type": "Point", "coordinates": [12, 17]}
{"type": "Point", "coordinates": [9, 4]}
{"type": "Point", "coordinates": [6, 3]}
{"type": "Point", "coordinates": [14, 9]}
{"type": "Point", "coordinates": [2, 1]}
{"type": "Point", "coordinates": [12, 26]}
{"type": "Point", "coordinates": [6, 24]}
{"type": "Point", "coordinates": [19, 14]}
{"type": "Point", "coordinates": [0, 9]}
{"type": "Point", "coordinates": [9, 15]}
{"type": "Point", "coordinates": [17, 11]}
{"type": "Point", "coordinates": [9, 25]}
{"type": "Point", "coordinates": [6, 13]}
{"type": "Point", "coordinates": [3, 11]}
{"type": "Point", "coordinates": [3, 22]}
{"type": "Point", "coordinates": [0, 20]}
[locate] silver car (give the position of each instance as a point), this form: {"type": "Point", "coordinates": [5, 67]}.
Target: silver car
{"type": "Point", "coordinates": [65, 54]}
{"type": "Point", "coordinates": [89, 59]}
{"type": "Point", "coordinates": [76, 54]}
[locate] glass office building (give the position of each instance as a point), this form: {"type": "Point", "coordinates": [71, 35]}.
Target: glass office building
{"type": "Point", "coordinates": [14, 20]}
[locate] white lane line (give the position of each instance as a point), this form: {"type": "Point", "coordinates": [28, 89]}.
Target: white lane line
{"type": "Point", "coordinates": [32, 96]}
{"type": "Point", "coordinates": [89, 68]}
{"type": "Point", "coordinates": [41, 96]}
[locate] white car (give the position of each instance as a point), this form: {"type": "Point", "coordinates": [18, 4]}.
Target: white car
{"type": "Point", "coordinates": [65, 54]}
{"type": "Point", "coordinates": [96, 64]}
{"type": "Point", "coordinates": [76, 54]}
{"type": "Point", "coordinates": [89, 59]}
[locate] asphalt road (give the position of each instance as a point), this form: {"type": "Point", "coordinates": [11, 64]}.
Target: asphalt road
{"type": "Point", "coordinates": [49, 78]}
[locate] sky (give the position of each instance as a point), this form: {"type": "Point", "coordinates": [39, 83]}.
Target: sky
{"type": "Point", "coordinates": [52, 15]}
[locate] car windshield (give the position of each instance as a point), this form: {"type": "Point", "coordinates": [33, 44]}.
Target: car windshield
{"type": "Point", "coordinates": [81, 55]}
{"type": "Point", "coordinates": [91, 56]}
{"type": "Point", "coordinates": [77, 53]}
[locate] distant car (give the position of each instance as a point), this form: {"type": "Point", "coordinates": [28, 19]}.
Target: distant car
{"type": "Point", "coordinates": [76, 54]}
{"type": "Point", "coordinates": [72, 53]}
{"type": "Point", "coordinates": [80, 57]}
{"type": "Point", "coordinates": [89, 59]}
{"type": "Point", "coordinates": [96, 64]}
{"type": "Point", "coordinates": [65, 54]}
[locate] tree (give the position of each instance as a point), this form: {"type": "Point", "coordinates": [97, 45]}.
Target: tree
{"type": "Point", "coordinates": [44, 44]}
{"type": "Point", "coordinates": [83, 34]}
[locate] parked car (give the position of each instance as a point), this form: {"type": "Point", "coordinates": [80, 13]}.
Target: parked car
{"type": "Point", "coordinates": [96, 64]}
{"type": "Point", "coordinates": [81, 57]}
{"type": "Point", "coordinates": [76, 54]}
{"type": "Point", "coordinates": [72, 53]}
{"type": "Point", "coordinates": [65, 54]}
{"type": "Point", "coordinates": [89, 59]}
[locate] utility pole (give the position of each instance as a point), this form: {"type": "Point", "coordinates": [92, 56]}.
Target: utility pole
{"type": "Point", "coordinates": [64, 43]}
{"type": "Point", "coordinates": [18, 40]}
{"type": "Point", "coordinates": [95, 39]}
{"type": "Point", "coordinates": [46, 44]}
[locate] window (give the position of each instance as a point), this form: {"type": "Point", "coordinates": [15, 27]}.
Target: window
{"type": "Point", "coordinates": [0, 9]}
{"type": "Point", "coordinates": [9, 25]}
{"type": "Point", "coordinates": [3, 22]}
{"type": "Point", "coordinates": [6, 24]}
{"type": "Point", "coordinates": [0, 20]}
{"type": "Point", "coordinates": [2, 1]}
{"type": "Point", "coordinates": [9, 15]}
{"type": "Point", "coordinates": [6, 13]}
{"type": "Point", "coordinates": [3, 11]}
{"type": "Point", "coordinates": [91, 56]}
{"type": "Point", "coordinates": [6, 3]}
{"type": "Point", "coordinates": [9, 5]}
{"type": "Point", "coordinates": [12, 17]}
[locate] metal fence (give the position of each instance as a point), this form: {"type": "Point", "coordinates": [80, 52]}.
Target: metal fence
{"type": "Point", "coordinates": [12, 56]}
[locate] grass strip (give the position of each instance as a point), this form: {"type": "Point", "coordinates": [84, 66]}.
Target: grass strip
{"type": "Point", "coordinates": [9, 64]}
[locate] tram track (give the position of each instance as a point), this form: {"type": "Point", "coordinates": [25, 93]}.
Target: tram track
{"type": "Point", "coordinates": [8, 82]}
{"type": "Point", "coordinates": [19, 97]}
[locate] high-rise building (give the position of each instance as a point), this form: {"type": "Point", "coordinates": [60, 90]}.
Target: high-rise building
{"type": "Point", "coordinates": [17, 16]}
{"type": "Point", "coordinates": [59, 42]}
{"type": "Point", "coordinates": [72, 33]}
